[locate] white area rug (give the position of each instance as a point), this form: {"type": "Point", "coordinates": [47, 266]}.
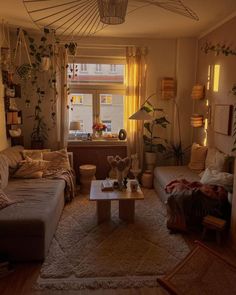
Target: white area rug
{"type": "Point", "coordinates": [114, 254]}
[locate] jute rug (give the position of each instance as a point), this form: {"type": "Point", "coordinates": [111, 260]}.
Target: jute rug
{"type": "Point", "coordinates": [113, 254]}
{"type": "Point", "coordinates": [203, 272]}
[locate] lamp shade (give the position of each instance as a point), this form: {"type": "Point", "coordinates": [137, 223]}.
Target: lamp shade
{"type": "Point", "coordinates": [198, 92]}
{"type": "Point", "coordinates": [75, 125]}
{"type": "Point", "coordinates": [141, 115]}
{"type": "Point", "coordinates": [196, 120]}
{"type": "Point", "coordinates": [112, 12]}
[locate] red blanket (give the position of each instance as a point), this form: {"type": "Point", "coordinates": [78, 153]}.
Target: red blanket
{"type": "Point", "coordinates": [182, 186]}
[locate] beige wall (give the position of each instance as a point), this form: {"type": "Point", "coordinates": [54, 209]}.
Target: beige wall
{"type": "Point", "coordinates": [223, 34]}
{"type": "Point", "coordinates": [3, 138]}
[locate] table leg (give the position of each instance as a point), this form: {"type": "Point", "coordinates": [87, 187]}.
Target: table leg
{"type": "Point", "coordinates": [126, 210]}
{"type": "Point", "coordinates": [103, 210]}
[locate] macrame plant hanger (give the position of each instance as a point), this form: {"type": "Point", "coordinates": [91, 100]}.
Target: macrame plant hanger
{"type": "Point", "coordinates": [5, 47]}
{"type": "Point", "coordinates": [22, 69]}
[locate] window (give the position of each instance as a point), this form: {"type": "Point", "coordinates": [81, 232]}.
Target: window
{"type": "Point", "coordinates": [113, 69]}
{"type": "Point", "coordinates": [98, 97]}
{"type": "Point", "coordinates": [108, 124]}
{"type": "Point", "coordinates": [83, 68]}
{"type": "Point", "coordinates": [106, 98]}
{"type": "Point", "coordinates": [77, 99]}
{"type": "Point", "coordinates": [98, 68]}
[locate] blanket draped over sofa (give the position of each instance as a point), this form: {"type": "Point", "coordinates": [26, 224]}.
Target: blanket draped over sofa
{"type": "Point", "coordinates": [189, 202]}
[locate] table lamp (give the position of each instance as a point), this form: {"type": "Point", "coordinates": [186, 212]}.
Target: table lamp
{"type": "Point", "coordinates": [75, 126]}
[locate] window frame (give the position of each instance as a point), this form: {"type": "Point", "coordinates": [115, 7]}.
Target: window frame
{"type": "Point", "coordinates": [96, 89]}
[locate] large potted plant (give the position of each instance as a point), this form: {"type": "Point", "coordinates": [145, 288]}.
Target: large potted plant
{"type": "Point", "coordinates": [153, 143]}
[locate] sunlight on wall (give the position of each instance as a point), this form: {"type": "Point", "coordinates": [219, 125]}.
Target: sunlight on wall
{"type": "Point", "coordinates": [209, 77]}
{"type": "Point", "coordinates": [206, 124]}
{"type": "Point", "coordinates": [216, 78]}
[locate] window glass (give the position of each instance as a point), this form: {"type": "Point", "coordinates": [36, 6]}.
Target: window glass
{"type": "Point", "coordinates": [112, 111]}
{"type": "Point", "coordinates": [95, 73]}
{"type": "Point", "coordinates": [83, 112]}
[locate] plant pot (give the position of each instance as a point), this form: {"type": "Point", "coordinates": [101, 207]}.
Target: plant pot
{"type": "Point", "coordinates": [150, 160]}
{"type": "Point", "coordinates": [45, 63]}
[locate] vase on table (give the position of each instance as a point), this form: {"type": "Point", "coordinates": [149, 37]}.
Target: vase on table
{"type": "Point", "coordinates": [99, 134]}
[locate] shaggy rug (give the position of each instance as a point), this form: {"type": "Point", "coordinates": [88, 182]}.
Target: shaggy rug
{"type": "Point", "coordinates": [113, 254]}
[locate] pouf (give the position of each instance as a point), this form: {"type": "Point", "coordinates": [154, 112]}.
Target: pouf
{"type": "Point", "coordinates": [87, 174]}
{"type": "Point", "coordinates": [147, 179]}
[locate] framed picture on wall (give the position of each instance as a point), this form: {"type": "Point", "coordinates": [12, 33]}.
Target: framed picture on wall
{"type": "Point", "coordinates": [223, 118]}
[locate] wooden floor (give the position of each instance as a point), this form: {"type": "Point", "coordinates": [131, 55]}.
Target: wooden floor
{"type": "Point", "coordinates": [21, 281]}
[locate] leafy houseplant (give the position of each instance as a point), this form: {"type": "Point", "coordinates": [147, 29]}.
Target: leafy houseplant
{"type": "Point", "coordinates": [151, 141]}
{"type": "Point", "coordinates": [176, 151]}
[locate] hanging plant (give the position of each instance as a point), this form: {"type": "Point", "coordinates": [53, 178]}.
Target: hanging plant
{"type": "Point", "coordinates": [233, 92]}
{"type": "Point", "coordinates": [72, 48]}
{"type": "Point", "coordinates": [218, 49]}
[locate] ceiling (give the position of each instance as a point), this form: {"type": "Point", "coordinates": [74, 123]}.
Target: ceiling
{"type": "Point", "coordinates": [147, 22]}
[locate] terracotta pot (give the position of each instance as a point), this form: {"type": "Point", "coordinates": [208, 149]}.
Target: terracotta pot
{"type": "Point", "coordinates": [150, 160]}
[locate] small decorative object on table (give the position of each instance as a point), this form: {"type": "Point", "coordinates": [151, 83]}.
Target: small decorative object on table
{"type": "Point", "coordinates": [133, 185]}
{"type": "Point", "coordinates": [121, 166]}
{"type": "Point", "coordinates": [99, 128]}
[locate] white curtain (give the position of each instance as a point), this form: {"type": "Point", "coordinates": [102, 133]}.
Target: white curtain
{"type": "Point", "coordinates": [135, 95]}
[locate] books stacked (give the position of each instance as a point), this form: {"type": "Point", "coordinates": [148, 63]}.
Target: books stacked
{"type": "Point", "coordinates": [107, 185]}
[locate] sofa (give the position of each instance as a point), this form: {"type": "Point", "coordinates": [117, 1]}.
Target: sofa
{"type": "Point", "coordinates": [204, 162]}
{"type": "Point", "coordinates": [27, 226]}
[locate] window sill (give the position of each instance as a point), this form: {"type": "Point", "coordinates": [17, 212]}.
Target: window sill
{"type": "Point", "coordinates": [97, 142]}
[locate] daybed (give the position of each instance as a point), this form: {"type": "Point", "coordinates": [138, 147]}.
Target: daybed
{"type": "Point", "coordinates": [194, 202]}
{"type": "Point", "coordinates": [27, 226]}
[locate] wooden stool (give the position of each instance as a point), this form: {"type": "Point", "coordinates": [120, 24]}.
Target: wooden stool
{"type": "Point", "coordinates": [213, 223]}
{"type": "Point", "coordinates": [147, 179]}
{"type": "Point", "coordinates": [87, 174]}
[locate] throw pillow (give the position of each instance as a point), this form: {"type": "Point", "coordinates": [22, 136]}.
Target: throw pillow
{"type": "Point", "coordinates": [13, 155]}
{"type": "Point", "coordinates": [217, 178]}
{"type": "Point", "coordinates": [4, 200]}
{"type": "Point", "coordinates": [4, 171]}
{"type": "Point", "coordinates": [34, 154]}
{"type": "Point", "coordinates": [198, 157]}
{"type": "Point", "coordinates": [58, 160]}
{"type": "Point", "coordinates": [215, 160]}
{"type": "Point", "coordinates": [31, 168]}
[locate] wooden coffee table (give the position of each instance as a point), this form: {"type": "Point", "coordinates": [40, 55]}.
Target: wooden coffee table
{"type": "Point", "coordinates": [126, 200]}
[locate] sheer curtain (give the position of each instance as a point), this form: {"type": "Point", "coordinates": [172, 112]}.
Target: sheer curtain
{"type": "Point", "coordinates": [63, 102]}
{"type": "Point", "coordinates": [135, 96]}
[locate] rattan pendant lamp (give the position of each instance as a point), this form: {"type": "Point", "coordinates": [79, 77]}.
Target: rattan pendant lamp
{"type": "Point", "coordinates": [82, 18]}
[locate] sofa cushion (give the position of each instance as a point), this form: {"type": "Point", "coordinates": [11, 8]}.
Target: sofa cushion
{"type": "Point", "coordinates": [34, 154]}
{"type": "Point", "coordinates": [215, 159]}
{"type": "Point", "coordinates": [4, 200]}
{"type": "Point", "coordinates": [58, 159]}
{"type": "Point", "coordinates": [29, 168]}
{"type": "Point", "coordinates": [198, 157]}
{"type": "Point", "coordinates": [166, 174]}
{"type": "Point", "coordinates": [4, 171]}
{"type": "Point", "coordinates": [35, 215]}
{"type": "Point", "coordinates": [13, 155]}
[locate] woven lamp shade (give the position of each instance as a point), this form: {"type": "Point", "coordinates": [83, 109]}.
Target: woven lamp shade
{"type": "Point", "coordinates": [198, 92]}
{"type": "Point", "coordinates": [112, 12]}
{"type": "Point", "coordinates": [75, 125]}
{"type": "Point", "coordinates": [168, 88]}
{"type": "Point", "coordinates": [196, 120]}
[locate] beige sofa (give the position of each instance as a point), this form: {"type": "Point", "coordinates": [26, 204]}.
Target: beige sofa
{"type": "Point", "coordinates": [27, 227]}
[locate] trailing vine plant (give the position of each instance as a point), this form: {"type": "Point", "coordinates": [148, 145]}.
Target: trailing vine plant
{"type": "Point", "coordinates": [218, 49]}
{"type": "Point", "coordinates": [233, 92]}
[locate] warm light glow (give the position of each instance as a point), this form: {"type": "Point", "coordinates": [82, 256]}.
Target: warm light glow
{"type": "Point", "coordinates": [216, 78]}
{"type": "Point", "coordinates": [208, 77]}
